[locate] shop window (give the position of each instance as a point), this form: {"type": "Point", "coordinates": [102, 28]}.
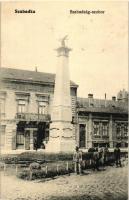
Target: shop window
{"type": "Point", "coordinates": [20, 140]}
{"type": "Point", "coordinates": [20, 136]}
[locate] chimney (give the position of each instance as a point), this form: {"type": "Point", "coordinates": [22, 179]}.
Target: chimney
{"type": "Point", "coordinates": [113, 98]}
{"type": "Point", "coordinates": [90, 96]}
{"type": "Point", "coordinates": [90, 99]}
{"type": "Point", "coordinates": [36, 69]}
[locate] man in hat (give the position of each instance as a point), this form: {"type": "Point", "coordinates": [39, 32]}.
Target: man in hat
{"type": "Point", "coordinates": [77, 158]}
{"type": "Point", "coordinates": [117, 156]}
{"type": "Point", "coordinates": [96, 158]}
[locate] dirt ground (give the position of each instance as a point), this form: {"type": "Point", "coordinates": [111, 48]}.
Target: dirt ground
{"type": "Point", "coordinates": [110, 184]}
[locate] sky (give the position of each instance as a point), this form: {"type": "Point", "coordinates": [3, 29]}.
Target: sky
{"type": "Point", "coordinates": [98, 61]}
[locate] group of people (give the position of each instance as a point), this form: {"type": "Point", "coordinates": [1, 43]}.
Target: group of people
{"type": "Point", "coordinates": [100, 157]}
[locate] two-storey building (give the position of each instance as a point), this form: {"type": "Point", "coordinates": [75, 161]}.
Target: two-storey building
{"type": "Point", "coordinates": [103, 122]}
{"type": "Point", "coordinates": [25, 113]}
{"type": "Point", "coordinates": [25, 99]}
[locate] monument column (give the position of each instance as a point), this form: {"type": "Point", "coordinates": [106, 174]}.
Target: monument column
{"type": "Point", "coordinates": [61, 130]}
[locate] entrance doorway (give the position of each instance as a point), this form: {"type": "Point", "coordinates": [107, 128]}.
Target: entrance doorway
{"type": "Point", "coordinates": [41, 134]}
{"type": "Point", "coordinates": [27, 139]}
{"type": "Point", "coordinates": [20, 135]}
{"type": "Point", "coordinates": [31, 134]}
{"type": "Point", "coordinates": [36, 136]}
{"type": "Point", "coordinates": [82, 135]}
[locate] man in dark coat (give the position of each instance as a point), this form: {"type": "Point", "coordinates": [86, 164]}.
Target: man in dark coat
{"type": "Point", "coordinates": [106, 155]}
{"type": "Point", "coordinates": [117, 156]}
{"type": "Point", "coordinates": [96, 158]}
{"type": "Point", "coordinates": [35, 144]}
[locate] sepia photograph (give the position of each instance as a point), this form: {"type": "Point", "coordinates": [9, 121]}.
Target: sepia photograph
{"type": "Point", "coordinates": [64, 100]}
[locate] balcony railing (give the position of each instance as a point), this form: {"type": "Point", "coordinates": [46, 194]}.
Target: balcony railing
{"type": "Point", "coordinates": [119, 137]}
{"type": "Point", "coordinates": [96, 136]}
{"type": "Point", "coordinates": [33, 117]}
{"type": "Point", "coordinates": [100, 136]}
{"type": "Point", "coordinates": [105, 136]}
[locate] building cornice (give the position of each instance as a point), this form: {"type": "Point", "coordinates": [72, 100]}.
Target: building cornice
{"type": "Point", "coordinates": [32, 81]}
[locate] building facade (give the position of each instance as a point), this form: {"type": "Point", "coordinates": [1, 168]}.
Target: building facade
{"type": "Point", "coordinates": [103, 123]}
{"type": "Point", "coordinates": [25, 113]}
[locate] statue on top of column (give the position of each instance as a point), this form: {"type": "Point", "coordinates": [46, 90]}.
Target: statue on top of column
{"type": "Point", "coordinates": [63, 40]}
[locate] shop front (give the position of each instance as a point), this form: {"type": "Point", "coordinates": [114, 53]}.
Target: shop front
{"type": "Point", "coordinates": [31, 135]}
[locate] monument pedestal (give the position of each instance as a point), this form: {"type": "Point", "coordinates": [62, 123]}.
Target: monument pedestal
{"type": "Point", "coordinates": [61, 138]}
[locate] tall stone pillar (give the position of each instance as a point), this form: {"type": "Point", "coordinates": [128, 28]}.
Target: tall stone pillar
{"type": "Point", "coordinates": [110, 132]}
{"type": "Point", "coordinates": [61, 137]}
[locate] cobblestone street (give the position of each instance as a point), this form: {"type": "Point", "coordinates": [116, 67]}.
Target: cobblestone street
{"type": "Point", "coordinates": [110, 184]}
